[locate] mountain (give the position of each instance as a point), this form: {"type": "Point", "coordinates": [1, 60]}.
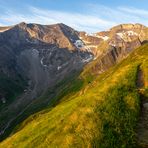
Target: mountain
{"type": "Point", "coordinates": [125, 36]}
{"type": "Point", "coordinates": [35, 58]}
{"type": "Point", "coordinates": [57, 69]}
{"type": "Point", "coordinates": [102, 113]}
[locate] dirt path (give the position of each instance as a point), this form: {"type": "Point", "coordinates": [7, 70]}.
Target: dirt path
{"type": "Point", "coordinates": [143, 125]}
{"type": "Point", "coordinates": [142, 130]}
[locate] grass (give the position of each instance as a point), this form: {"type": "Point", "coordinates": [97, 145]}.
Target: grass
{"type": "Point", "coordinates": [67, 86]}
{"type": "Point", "coordinates": [97, 111]}
{"type": "Point", "coordinates": [10, 88]}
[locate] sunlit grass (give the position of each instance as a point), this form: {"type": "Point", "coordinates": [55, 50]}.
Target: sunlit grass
{"type": "Point", "coordinates": [102, 113]}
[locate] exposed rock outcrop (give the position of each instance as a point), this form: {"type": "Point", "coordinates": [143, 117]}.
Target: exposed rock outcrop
{"type": "Point", "coordinates": [125, 36]}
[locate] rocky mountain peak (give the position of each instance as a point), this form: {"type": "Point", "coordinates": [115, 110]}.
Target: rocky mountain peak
{"type": "Point", "coordinates": [22, 25]}
{"type": "Point", "coordinates": [42, 54]}
{"type": "Point", "coordinates": [127, 27]}
{"type": "Point", "coordinates": [124, 36]}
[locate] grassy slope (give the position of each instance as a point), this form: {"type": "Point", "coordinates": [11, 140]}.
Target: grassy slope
{"type": "Point", "coordinates": [102, 114]}
{"type": "Point", "coordinates": [10, 88]}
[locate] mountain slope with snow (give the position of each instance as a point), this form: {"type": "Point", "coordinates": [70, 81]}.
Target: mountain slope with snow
{"type": "Point", "coordinates": [38, 63]}
{"type": "Point", "coordinates": [102, 112]}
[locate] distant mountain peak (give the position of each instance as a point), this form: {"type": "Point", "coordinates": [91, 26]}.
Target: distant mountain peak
{"type": "Point", "coordinates": [128, 26]}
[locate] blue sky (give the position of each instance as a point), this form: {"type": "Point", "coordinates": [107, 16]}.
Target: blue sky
{"type": "Point", "coordinates": [88, 15]}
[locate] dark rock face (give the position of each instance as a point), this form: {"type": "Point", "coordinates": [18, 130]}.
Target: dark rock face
{"type": "Point", "coordinates": [35, 58]}
{"type": "Point", "coordinates": [55, 48]}
{"type": "Point", "coordinates": [48, 53]}
{"type": "Point", "coordinates": [50, 47]}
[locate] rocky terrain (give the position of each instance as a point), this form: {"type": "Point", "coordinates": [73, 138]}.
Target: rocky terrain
{"type": "Point", "coordinates": [124, 36]}
{"type": "Point", "coordinates": [35, 52]}
{"type": "Point", "coordinates": [35, 58]}
{"type": "Point", "coordinates": [114, 45]}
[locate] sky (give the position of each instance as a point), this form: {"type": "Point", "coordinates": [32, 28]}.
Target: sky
{"type": "Point", "coordinates": [83, 15]}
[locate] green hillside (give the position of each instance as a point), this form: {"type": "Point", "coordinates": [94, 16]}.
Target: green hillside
{"type": "Point", "coordinates": [99, 110]}
{"type": "Point", "coordinates": [10, 88]}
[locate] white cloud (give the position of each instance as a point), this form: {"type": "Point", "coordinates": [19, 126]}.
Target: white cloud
{"type": "Point", "coordinates": [97, 18]}
{"type": "Point", "coordinates": [135, 11]}
{"type": "Point", "coordinates": [121, 14]}
{"type": "Point", "coordinates": [78, 21]}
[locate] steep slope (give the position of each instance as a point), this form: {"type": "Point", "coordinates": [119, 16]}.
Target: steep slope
{"type": "Point", "coordinates": [33, 59]}
{"type": "Point", "coordinates": [114, 45]}
{"type": "Point", "coordinates": [38, 63]}
{"type": "Point", "coordinates": [126, 37]}
{"type": "Point", "coordinates": [3, 29]}
{"type": "Point", "coordinates": [103, 113]}
{"type": "Point", "coordinates": [51, 46]}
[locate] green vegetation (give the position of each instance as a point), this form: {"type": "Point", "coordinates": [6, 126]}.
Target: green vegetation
{"type": "Point", "coordinates": [10, 89]}
{"type": "Point", "coordinates": [93, 111]}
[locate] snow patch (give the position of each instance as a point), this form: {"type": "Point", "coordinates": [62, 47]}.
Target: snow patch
{"type": "Point", "coordinates": [82, 44]}
{"type": "Point", "coordinates": [86, 34]}
{"type": "Point", "coordinates": [42, 62]}
{"type": "Point", "coordinates": [112, 44]}
{"type": "Point", "coordinates": [121, 35]}
{"type": "Point", "coordinates": [132, 33]}
{"type": "Point", "coordinates": [59, 67]}
{"type": "Point", "coordinates": [79, 44]}
{"type": "Point", "coordinates": [35, 52]}
{"type": "Point", "coordinates": [105, 38]}
{"type": "Point", "coordinates": [126, 33]}
{"type": "Point", "coordinates": [95, 58]}
{"type": "Point", "coordinates": [88, 59]}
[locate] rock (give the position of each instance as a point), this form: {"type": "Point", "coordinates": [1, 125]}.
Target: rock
{"type": "Point", "coordinates": [145, 105]}
{"type": "Point", "coordinates": [3, 100]}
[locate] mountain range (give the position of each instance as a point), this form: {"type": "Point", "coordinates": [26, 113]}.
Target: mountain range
{"type": "Point", "coordinates": [65, 88]}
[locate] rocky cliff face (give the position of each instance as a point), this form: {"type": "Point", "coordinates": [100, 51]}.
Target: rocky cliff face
{"type": "Point", "coordinates": [112, 46]}
{"type": "Point", "coordinates": [34, 58]}
{"type": "Point", "coordinates": [56, 50]}
{"type": "Point", "coordinates": [37, 51]}
{"type": "Point", "coordinates": [125, 36]}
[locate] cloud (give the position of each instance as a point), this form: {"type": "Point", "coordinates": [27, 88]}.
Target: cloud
{"type": "Point", "coordinates": [120, 14]}
{"type": "Point", "coordinates": [135, 11]}
{"type": "Point", "coordinates": [98, 17]}
{"type": "Point", "coordinates": [80, 21]}
{"type": "Point", "coordinates": [36, 15]}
